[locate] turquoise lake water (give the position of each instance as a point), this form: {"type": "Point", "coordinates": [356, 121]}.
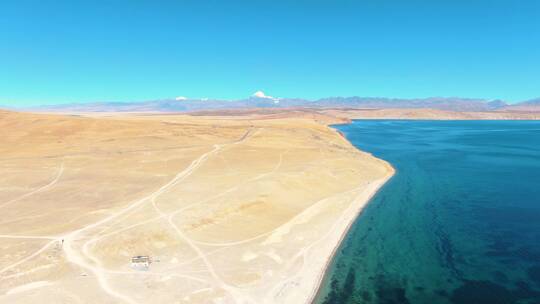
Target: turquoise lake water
{"type": "Point", "coordinates": [458, 223]}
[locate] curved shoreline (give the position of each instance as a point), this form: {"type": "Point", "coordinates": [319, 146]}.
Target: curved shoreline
{"type": "Point", "coordinates": [321, 277]}
{"type": "Point", "coordinates": [371, 193]}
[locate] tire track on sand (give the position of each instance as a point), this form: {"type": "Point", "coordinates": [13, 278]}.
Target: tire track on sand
{"type": "Point", "coordinates": [82, 257]}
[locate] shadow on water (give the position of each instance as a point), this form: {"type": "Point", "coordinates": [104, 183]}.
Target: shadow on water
{"type": "Point", "coordinates": [385, 292]}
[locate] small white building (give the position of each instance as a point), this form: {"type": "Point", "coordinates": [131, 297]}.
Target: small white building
{"type": "Point", "coordinates": [140, 262]}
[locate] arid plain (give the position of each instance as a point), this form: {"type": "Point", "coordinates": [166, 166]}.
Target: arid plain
{"type": "Point", "coordinates": [228, 209]}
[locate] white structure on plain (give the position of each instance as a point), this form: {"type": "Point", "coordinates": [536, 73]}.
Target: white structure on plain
{"type": "Point", "coordinates": [140, 262]}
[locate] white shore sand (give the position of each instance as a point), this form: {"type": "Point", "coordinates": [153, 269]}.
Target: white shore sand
{"type": "Point", "coordinates": [307, 282]}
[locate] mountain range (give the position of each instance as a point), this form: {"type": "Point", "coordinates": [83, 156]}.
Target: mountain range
{"type": "Point", "coordinates": [259, 100]}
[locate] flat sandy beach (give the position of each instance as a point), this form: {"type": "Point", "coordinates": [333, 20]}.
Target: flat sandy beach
{"type": "Point", "coordinates": [223, 208]}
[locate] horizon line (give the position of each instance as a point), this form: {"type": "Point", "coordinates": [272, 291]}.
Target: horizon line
{"type": "Point", "coordinates": [181, 99]}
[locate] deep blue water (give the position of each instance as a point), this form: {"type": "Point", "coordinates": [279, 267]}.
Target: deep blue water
{"type": "Point", "coordinates": [458, 223]}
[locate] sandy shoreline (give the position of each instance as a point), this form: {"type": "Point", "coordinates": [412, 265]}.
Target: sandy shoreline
{"type": "Point", "coordinates": [364, 198]}
{"type": "Point", "coordinates": [308, 282]}
{"type": "Point", "coordinates": [349, 222]}
{"type": "Point", "coordinates": [318, 273]}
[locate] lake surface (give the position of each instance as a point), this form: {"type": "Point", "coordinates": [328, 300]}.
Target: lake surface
{"type": "Point", "coordinates": [458, 223]}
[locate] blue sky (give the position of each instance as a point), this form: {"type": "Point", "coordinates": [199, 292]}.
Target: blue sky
{"type": "Point", "coordinates": [81, 51]}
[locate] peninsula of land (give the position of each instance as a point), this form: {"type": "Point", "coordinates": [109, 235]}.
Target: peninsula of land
{"type": "Point", "coordinates": [175, 208]}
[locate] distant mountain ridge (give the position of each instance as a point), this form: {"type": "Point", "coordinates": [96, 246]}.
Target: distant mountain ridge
{"type": "Point", "coordinates": [532, 105]}
{"type": "Point", "coordinates": [186, 104]}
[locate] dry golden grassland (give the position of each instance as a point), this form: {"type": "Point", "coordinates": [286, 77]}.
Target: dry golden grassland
{"type": "Point", "coordinates": [230, 209]}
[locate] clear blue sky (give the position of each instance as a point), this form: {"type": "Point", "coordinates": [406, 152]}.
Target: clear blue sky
{"type": "Point", "coordinates": [81, 51]}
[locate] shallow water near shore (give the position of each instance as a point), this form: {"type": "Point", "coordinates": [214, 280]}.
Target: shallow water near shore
{"type": "Point", "coordinates": [458, 223]}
